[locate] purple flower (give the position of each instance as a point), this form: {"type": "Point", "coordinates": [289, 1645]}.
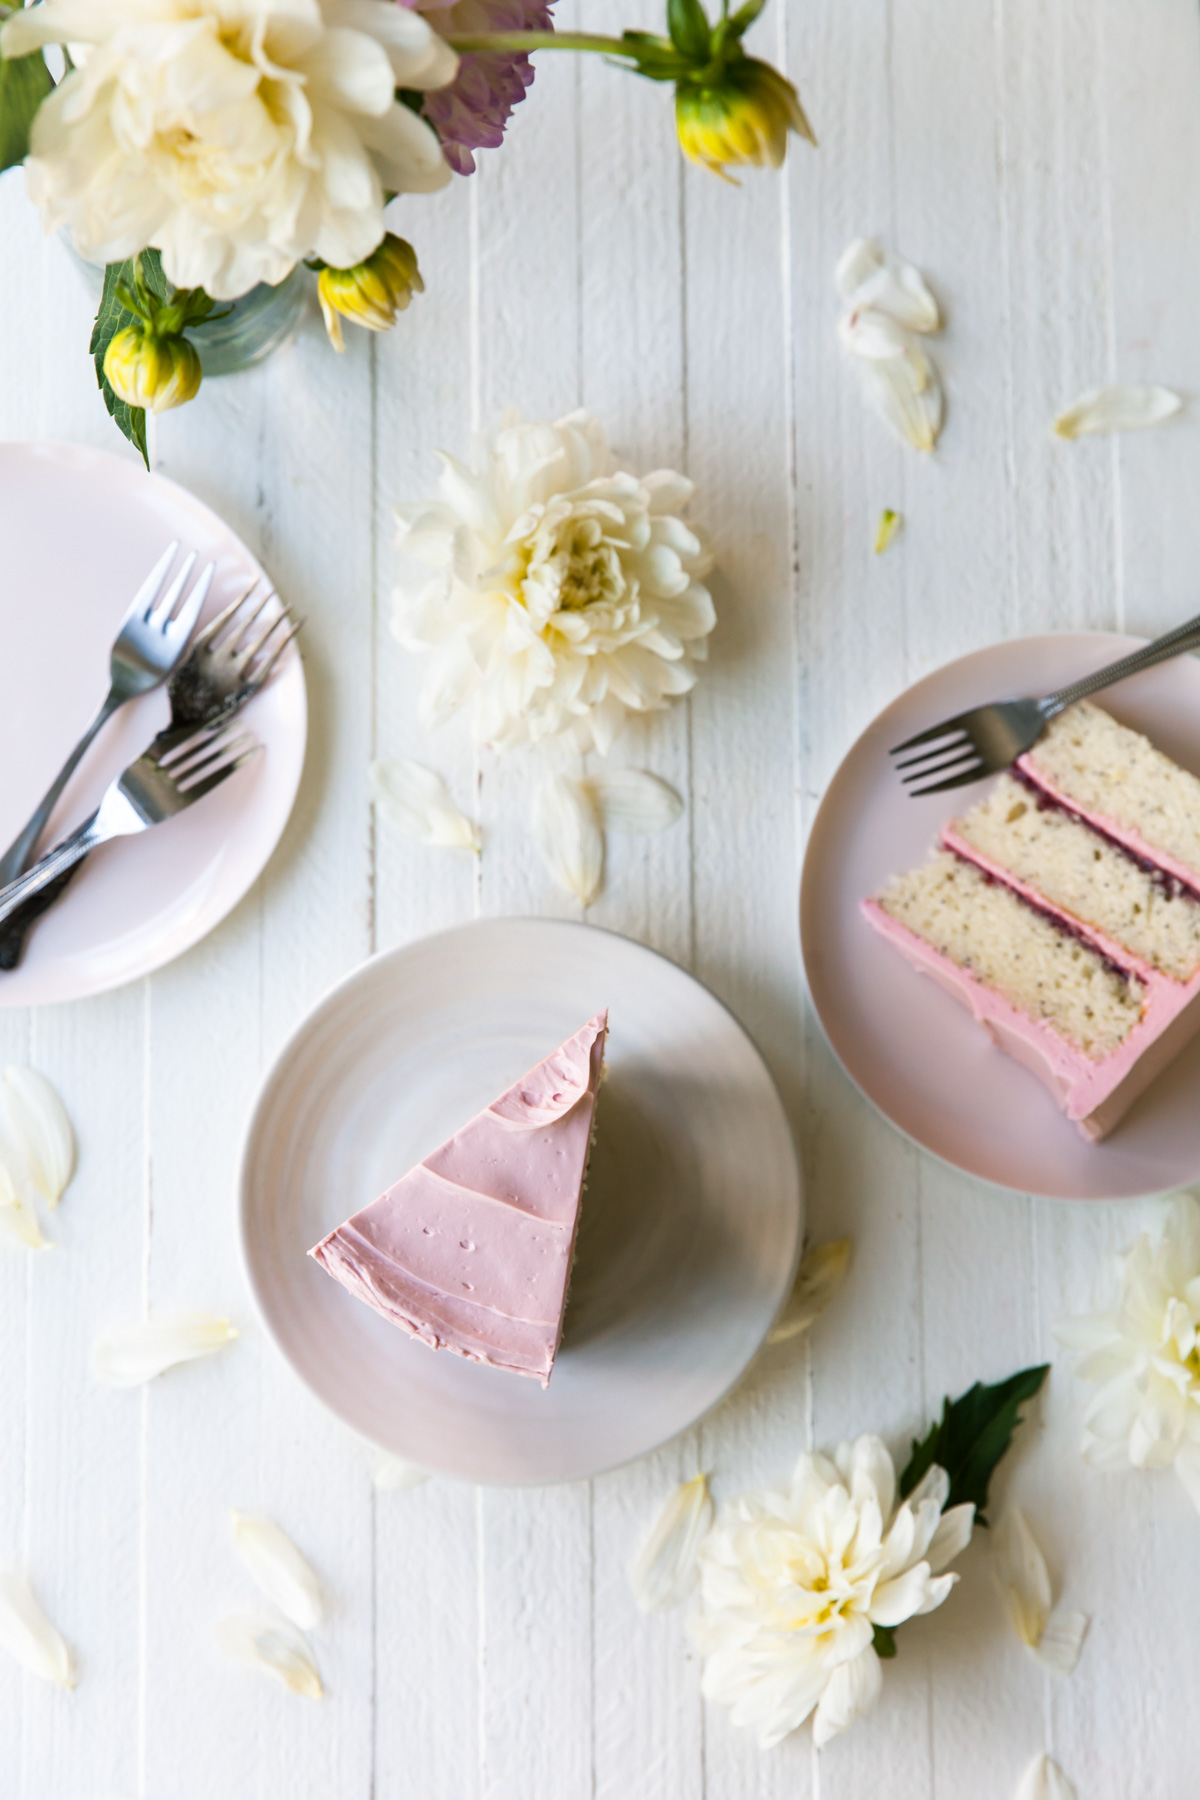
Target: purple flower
{"type": "Point", "coordinates": [472, 112]}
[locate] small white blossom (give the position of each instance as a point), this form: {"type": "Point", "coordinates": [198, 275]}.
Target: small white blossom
{"type": "Point", "coordinates": [793, 1585]}
{"type": "Point", "coordinates": [1145, 1357]}
{"type": "Point", "coordinates": [567, 592]}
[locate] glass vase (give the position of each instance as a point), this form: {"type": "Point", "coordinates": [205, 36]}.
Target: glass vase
{"type": "Point", "coordinates": [255, 324]}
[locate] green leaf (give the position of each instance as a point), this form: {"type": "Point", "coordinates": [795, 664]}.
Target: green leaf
{"type": "Point", "coordinates": [973, 1434]}
{"type": "Point", "coordinates": [745, 16]}
{"type": "Point", "coordinates": [885, 1640]}
{"type": "Point", "coordinates": [689, 29]}
{"type": "Point", "coordinates": [24, 84]}
{"type": "Point", "coordinates": [113, 317]}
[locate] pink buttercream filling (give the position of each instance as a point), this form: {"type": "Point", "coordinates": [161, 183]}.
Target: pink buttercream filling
{"type": "Point", "coordinates": [471, 1250]}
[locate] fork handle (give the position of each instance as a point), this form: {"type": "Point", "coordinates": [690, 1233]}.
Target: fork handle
{"type": "Point", "coordinates": [1174, 643]}
{"type": "Point", "coordinates": [56, 862]}
{"type": "Point", "coordinates": [19, 854]}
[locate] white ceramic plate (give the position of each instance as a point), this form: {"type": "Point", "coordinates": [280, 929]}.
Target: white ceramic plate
{"type": "Point", "coordinates": [913, 1050]}
{"type": "Point", "coordinates": [691, 1222]}
{"type": "Point", "coordinates": [81, 531]}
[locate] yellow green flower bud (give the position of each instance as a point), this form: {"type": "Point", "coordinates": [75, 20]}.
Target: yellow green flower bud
{"type": "Point", "coordinates": [372, 292]}
{"type": "Point", "coordinates": [149, 371]}
{"type": "Point", "coordinates": [744, 117]}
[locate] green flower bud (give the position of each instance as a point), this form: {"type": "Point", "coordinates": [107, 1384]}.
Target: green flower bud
{"type": "Point", "coordinates": [149, 371]}
{"type": "Point", "coordinates": [743, 117]}
{"type": "Point", "coordinates": [372, 292]}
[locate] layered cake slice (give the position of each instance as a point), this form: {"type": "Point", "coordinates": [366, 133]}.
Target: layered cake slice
{"type": "Point", "coordinates": [1064, 911]}
{"type": "Point", "coordinates": [471, 1251]}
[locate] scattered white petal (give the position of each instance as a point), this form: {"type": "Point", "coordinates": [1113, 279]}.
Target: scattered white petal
{"type": "Point", "coordinates": [273, 1647]}
{"type": "Point", "coordinates": [391, 1474]}
{"type": "Point", "coordinates": [27, 1634]}
{"type": "Point", "coordinates": [897, 376]}
{"type": "Point", "coordinates": [665, 1571]}
{"type": "Point", "coordinates": [1062, 1640]}
{"type": "Point", "coordinates": [568, 834]}
{"type": "Point", "coordinates": [1123, 407]}
{"type": "Point", "coordinates": [1044, 1780]}
{"type": "Point", "coordinates": [18, 1223]}
{"type": "Point", "coordinates": [282, 1573]}
{"type": "Point", "coordinates": [820, 1276]}
{"type": "Point", "coordinates": [419, 801]}
{"type": "Point", "coordinates": [868, 275]}
{"type": "Point", "coordinates": [133, 1354]}
{"type": "Point", "coordinates": [889, 524]}
{"type": "Point", "coordinates": [633, 800]}
{"type": "Point", "coordinates": [1021, 1576]}
{"type": "Point", "coordinates": [39, 1124]}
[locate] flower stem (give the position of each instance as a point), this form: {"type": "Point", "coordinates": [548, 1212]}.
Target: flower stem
{"type": "Point", "coordinates": [519, 42]}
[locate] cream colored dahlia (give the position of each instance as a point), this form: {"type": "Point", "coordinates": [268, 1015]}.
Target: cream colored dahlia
{"type": "Point", "coordinates": [1144, 1356]}
{"type": "Point", "coordinates": [567, 593]}
{"type": "Point", "coordinates": [794, 1584]}
{"type": "Point", "coordinates": [235, 136]}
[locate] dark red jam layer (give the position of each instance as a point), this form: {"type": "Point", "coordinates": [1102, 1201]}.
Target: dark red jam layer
{"type": "Point", "coordinates": [1171, 886]}
{"type": "Point", "coordinates": [1066, 927]}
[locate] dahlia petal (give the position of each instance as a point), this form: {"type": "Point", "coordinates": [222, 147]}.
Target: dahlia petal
{"type": "Point", "coordinates": [284, 1575]}
{"type": "Point", "coordinates": [569, 837]}
{"type": "Point", "coordinates": [818, 1279]}
{"type": "Point", "coordinates": [1121, 407]}
{"type": "Point", "coordinates": [853, 1689]}
{"type": "Point", "coordinates": [1021, 1577]}
{"type": "Point", "coordinates": [420, 803]}
{"type": "Point", "coordinates": [665, 1571]}
{"type": "Point", "coordinates": [1061, 1642]}
{"type": "Point", "coordinates": [905, 1594]}
{"type": "Point", "coordinates": [1044, 1780]}
{"type": "Point", "coordinates": [951, 1538]}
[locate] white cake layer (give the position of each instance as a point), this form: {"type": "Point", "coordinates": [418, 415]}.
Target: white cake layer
{"type": "Point", "coordinates": [983, 927]}
{"type": "Point", "coordinates": [1108, 769]}
{"type": "Point", "coordinates": [1093, 880]}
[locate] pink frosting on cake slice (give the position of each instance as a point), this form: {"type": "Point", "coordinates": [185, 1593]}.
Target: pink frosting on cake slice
{"type": "Point", "coordinates": [471, 1251]}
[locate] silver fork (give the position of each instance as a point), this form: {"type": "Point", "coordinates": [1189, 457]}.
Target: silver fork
{"type": "Point", "coordinates": [990, 738]}
{"type": "Point", "coordinates": [224, 668]}
{"type": "Point", "coordinates": [147, 647]}
{"type": "Point", "coordinates": [228, 663]}
{"type": "Point", "coordinates": [154, 788]}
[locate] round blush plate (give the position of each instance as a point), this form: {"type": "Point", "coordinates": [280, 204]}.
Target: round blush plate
{"type": "Point", "coordinates": [691, 1220]}
{"type": "Point", "coordinates": [911, 1049]}
{"type": "Point", "coordinates": [81, 531]}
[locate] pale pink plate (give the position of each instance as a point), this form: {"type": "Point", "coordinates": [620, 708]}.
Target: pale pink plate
{"type": "Point", "coordinates": [917, 1055]}
{"type": "Point", "coordinates": [81, 530]}
{"type": "Point", "coordinates": [690, 1227]}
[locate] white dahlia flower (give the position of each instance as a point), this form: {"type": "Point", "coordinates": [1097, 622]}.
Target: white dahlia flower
{"type": "Point", "coordinates": [794, 1584]}
{"type": "Point", "coordinates": [567, 594]}
{"type": "Point", "coordinates": [1145, 1357]}
{"type": "Point", "coordinates": [235, 136]}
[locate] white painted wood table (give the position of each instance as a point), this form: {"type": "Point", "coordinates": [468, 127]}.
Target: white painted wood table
{"type": "Point", "coordinates": [1041, 159]}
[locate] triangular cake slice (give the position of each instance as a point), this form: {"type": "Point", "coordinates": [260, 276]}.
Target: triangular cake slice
{"type": "Point", "coordinates": [471, 1251]}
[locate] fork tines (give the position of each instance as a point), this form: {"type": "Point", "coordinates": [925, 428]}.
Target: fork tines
{"type": "Point", "coordinates": [946, 750]}
{"type": "Point", "coordinates": [231, 633]}
{"type": "Point", "coordinates": [206, 758]}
